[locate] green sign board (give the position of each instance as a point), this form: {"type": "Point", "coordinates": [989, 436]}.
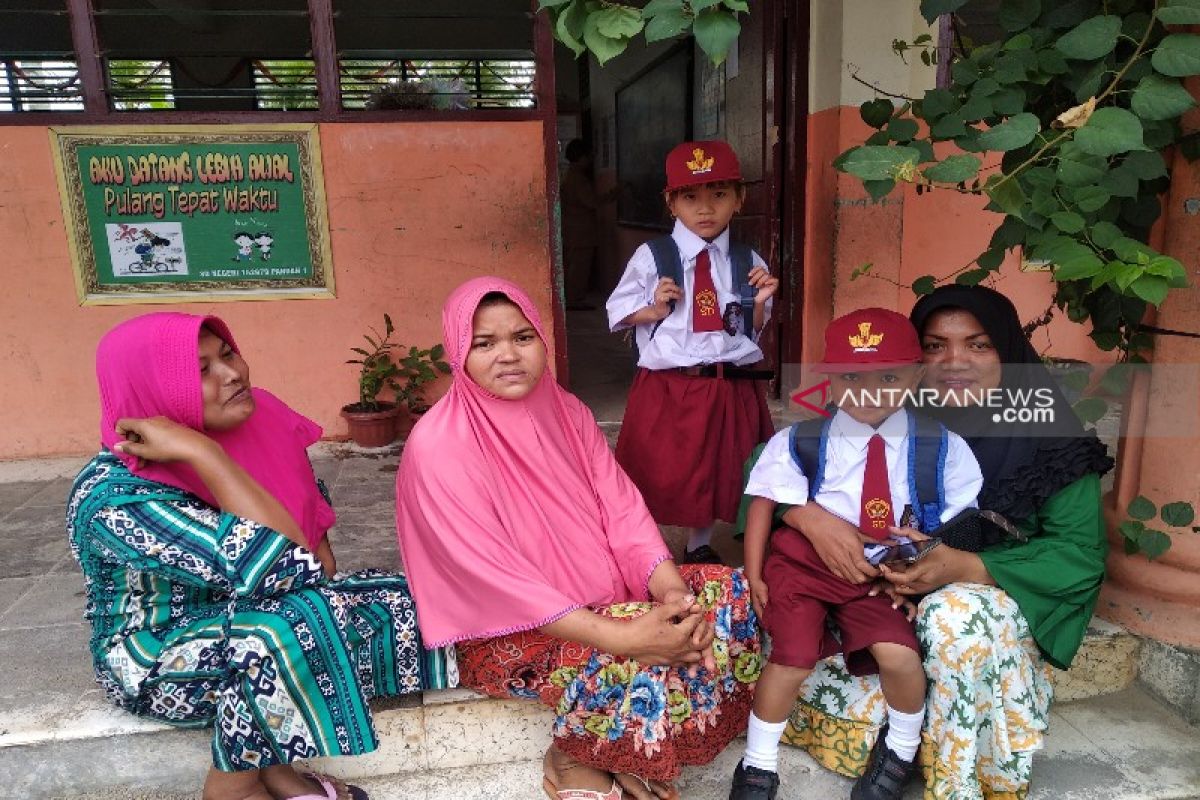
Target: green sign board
{"type": "Point", "coordinates": [194, 213]}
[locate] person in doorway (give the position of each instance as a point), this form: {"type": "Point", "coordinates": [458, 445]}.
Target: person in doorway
{"type": "Point", "coordinates": [867, 460]}
{"type": "Point", "coordinates": [579, 201]}
{"type": "Point", "coordinates": [695, 411]}
{"type": "Point", "coordinates": [212, 588]}
{"type": "Point", "coordinates": [529, 547]}
{"type": "Point", "coordinates": [991, 621]}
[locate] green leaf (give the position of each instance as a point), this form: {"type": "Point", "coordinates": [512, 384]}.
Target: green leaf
{"type": "Point", "coordinates": [1079, 266]}
{"type": "Point", "coordinates": [1008, 196]}
{"type": "Point", "coordinates": [879, 189]}
{"type": "Point", "coordinates": [1052, 62]}
{"type": "Point", "coordinates": [551, 3]}
{"type": "Point", "coordinates": [1128, 249]}
{"type": "Point", "coordinates": [1106, 340]}
{"type": "Point", "coordinates": [972, 277]}
{"type": "Point", "coordinates": [1105, 233]}
{"type": "Point", "coordinates": [1178, 514]}
{"type": "Point", "coordinates": [954, 169]}
{"type": "Point", "coordinates": [1090, 409]}
{"type": "Point", "coordinates": [1121, 182]}
{"type": "Point", "coordinates": [1151, 288]}
{"type": "Point", "coordinates": [1091, 39]}
{"type": "Point", "coordinates": [964, 72]}
{"type": "Point", "coordinates": [1068, 13]}
{"type": "Point", "coordinates": [1140, 508]}
{"type": "Point", "coordinates": [715, 32]}
{"type": "Point", "coordinates": [1091, 198]}
{"type": "Point", "coordinates": [1022, 41]}
{"type": "Point", "coordinates": [1009, 101]}
{"type": "Point", "coordinates": [604, 48]}
{"type": "Point", "coordinates": [568, 27]}
{"type": "Point", "coordinates": [1067, 221]}
{"type": "Point", "coordinates": [1146, 165]}
{"type": "Point", "coordinates": [902, 129]}
{"type": "Point", "coordinates": [1110, 131]}
{"type": "Point", "coordinates": [1017, 14]}
{"type": "Point", "coordinates": [924, 284]}
{"type": "Point", "coordinates": [948, 127]}
{"type": "Point", "coordinates": [876, 113]}
{"type": "Point", "coordinates": [1157, 97]}
{"type": "Point", "coordinates": [1010, 233]}
{"type": "Point", "coordinates": [700, 5]}
{"type": "Point", "coordinates": [935, 104]}
{"type": "Point", "coordinates": [1045, 203]}
{"type": "Point", "coordinates": [1014, 132]}
{"type": "Point", "coordinates": [875, 163]}
{"type": "Point", "coordinates": [1080, 169]}
{"type": "Point", "coordinates": [1171, 269]}
{"type": "Point", "coordinates": [925, 148]}
{"type": "Point", "coordinates": [1178, 55]}
{"type": "Point", "coordinates": [737, 5]}
{"type": "Point", "coordinates": [991, 258]}
{"type": "Point", "coordinates": [666, 25]}
{"type": "Point", "coordinates": [619, 22]}
{"type": "Point", "coordinates": [1179, 12]}
{"type": "Point", "coordinates": [932, 9]}
{"type": "Point", "coordinates": [656, 7]}
{"type": "Point", "coordinates": [985, 86]}
{"type": "Point", "coordinates": [1154, 543]}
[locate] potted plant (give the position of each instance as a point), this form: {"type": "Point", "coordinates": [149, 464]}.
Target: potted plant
{"type": "Point", "coordinates": [417, 369]}
{"type": "Point", "coordinates": [373, 421]}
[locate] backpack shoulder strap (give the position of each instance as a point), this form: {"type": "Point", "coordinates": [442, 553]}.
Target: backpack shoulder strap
{"type": "Point", "coordinates": [808, 439]}
{"type": "Point", "coordinates": [927, 445]}
{"type": "Point", "coordinates": [667, 260]}
{"type": "Point", "coordinates": [741, 261]}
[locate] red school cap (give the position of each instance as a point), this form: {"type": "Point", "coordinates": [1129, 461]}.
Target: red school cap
{"type": "Point", "coordinates": [693, 163]}
{"type": "Point", "coordinates": [869, 339]}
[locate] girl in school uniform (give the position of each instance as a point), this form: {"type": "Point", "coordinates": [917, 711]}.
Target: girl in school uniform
{"type": "Point", "coordinates": [696, 409]}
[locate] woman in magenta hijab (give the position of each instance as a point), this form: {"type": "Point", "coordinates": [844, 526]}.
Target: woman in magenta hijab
{"type": "Point", "coordinates": [211, 586]}
{"type": "Point", "coordinates": [528, 547]}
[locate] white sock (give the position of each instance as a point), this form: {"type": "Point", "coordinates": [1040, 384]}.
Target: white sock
{"type": "Point", "coordinates": [699, 537]}
{"type": "Point", "coordinates": [904, 732]}
{"type": "Point", "coordinates": [762, 744]}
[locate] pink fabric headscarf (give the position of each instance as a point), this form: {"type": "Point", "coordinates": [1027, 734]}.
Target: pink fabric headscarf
{"type": "Point", "coordinates": [149, 366]}
{"type": "Point", "coordinates": [513, 513]}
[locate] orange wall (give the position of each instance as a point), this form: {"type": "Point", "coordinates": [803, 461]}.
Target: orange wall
{"type": "Point", "coordinates": [904, 236]}
{"type": "Point", "coordinates": [414, 209]}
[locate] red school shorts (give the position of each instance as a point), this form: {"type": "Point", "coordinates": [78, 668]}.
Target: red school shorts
{"type": "Point", "coordinates": [803, 594]}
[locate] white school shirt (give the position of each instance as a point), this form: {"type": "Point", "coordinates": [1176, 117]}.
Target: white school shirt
{"type": "Point", "coordinates": [777, 477]}
{"type": "Point", "coordinates": [674, 344]}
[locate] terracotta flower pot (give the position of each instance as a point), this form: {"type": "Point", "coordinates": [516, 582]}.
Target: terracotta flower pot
{"type": "Point", "coordinates": [372, 428]}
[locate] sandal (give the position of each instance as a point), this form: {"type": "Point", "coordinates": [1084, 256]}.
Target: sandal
{"type": "Point", "coordinates": [554, 793]}
{"type": "Point", "coordinates": [334, 788]}
{"type": "Point", "coordinates": [674, 793]}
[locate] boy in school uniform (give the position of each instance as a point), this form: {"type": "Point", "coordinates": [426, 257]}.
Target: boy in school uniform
{"type": "Point", "coordinates": [697, 302]}
{"type": "Point", "coordinates": [873, 458]}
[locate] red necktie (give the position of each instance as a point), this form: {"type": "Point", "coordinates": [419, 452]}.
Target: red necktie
{"type": "Point", "coordinates": [876, 514]}
{"type": "Point", "coordinates": [706, 315]}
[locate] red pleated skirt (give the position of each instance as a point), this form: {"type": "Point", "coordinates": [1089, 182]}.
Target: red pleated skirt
{"type": "Point", "coordinates": [684, 441]}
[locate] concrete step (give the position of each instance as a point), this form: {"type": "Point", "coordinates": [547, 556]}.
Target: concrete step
{"type": "Point", "coordinates": [1125, 746]}
{"type": "Point", "coordinates": [53, 718]}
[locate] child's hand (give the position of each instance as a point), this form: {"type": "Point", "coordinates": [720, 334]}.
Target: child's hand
{"type": "Point", "coordinates": [758, 595]}
{"type": "Point", "coordinates": [898, 600]}
{"type": "Point", "coordinates": [762, 280]}
{"type": "Point", "coordinates": [666, 291]}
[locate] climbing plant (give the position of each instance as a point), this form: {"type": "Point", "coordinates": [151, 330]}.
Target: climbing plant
{"type": "Point", "coordinates": [1062, 124]}
{"type": "Point", "coordinates": [606, 28]}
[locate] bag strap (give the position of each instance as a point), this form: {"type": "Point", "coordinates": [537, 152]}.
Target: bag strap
{"type": "Point", "coordinates": [668, 263]}
{"type": "Point", "coordinates": [808, 442]}
{"type": "Point", "coordinates": [927, 445]}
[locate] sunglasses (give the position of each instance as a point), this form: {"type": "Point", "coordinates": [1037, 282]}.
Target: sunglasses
{"type": "Point", "coordinates": [905, 551]}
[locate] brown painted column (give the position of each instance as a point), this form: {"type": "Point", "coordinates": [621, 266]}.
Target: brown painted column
{"type": "Point", "coordinates": [1160, 453]}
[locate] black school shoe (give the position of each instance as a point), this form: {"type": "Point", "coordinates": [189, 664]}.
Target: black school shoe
{"type": "Point", "coordinates": [885, 775]}
{"type": "Point", "coordinates": [701, 555]}
{"type": "Point", "coordinates": [752, 783]}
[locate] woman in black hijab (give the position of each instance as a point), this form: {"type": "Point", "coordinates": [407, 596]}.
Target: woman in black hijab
{"type": "Point", "coordinates": [989, 621]}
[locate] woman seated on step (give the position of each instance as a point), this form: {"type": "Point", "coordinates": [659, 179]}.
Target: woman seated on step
{"type": "Point", "coordinates": [530, 548]}
{"type": "Point", "coordinates": [212, 588]}
{"type": "Point", "coordinates": [991, 621]}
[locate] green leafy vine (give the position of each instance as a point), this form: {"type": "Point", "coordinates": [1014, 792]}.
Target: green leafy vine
{"type": "Point", "coordinates": [606, 28]}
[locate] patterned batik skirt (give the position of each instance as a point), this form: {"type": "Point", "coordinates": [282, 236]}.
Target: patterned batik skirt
{"type": "Point", "coordinates": [286, 677]}
{"type": "Point", "coordinates": [987, 709]}
{"type": "Point", "coordinates": [621, 716]}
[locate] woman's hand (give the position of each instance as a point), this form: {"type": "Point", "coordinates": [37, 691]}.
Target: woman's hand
{"type": "Point", "coordinates": [942, 565]}
{"type": "Point", "coordinates": [898, 600]}
{"type": "Point", "coordinates": [837, 542]}
{"type": "Point", "coordinates": [672, 634]}
{"type": "Point", "coordinates": [158, 439]}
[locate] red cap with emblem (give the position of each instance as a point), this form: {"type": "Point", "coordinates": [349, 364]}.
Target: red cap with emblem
{"type": "Point", "coordinates": [869, 339]}
{"type": "Point", "coordinates": [693, 163]}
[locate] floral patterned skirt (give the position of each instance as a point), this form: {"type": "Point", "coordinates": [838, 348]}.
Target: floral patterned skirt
{"type": "Point", "coordinates": [621, 716]}
{"type": "Point", "coordinates": [987, 709]}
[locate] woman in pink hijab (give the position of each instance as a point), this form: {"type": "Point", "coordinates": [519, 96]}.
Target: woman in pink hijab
{"type": "Point", "coordinates": [212, 589]}
{"type": "Point", "coordinates": [528, 547]}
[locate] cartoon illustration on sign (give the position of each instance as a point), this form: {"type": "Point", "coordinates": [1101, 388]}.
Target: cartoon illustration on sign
{"type": "Point", "coordinates": [146, 249]}
{"type": "Point", "coordinates": [245, 246]}
{"type": "Point", "coordinates": [264, 240]}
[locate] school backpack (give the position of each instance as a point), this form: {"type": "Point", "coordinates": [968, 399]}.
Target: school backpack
{"type": "Point", "coordinates": [927, 443]}
{"type": "Point", "coordinates": [669, 264]}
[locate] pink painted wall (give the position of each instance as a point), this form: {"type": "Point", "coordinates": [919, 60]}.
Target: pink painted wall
{"type": "Point", "coordinates": [414, 209]}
